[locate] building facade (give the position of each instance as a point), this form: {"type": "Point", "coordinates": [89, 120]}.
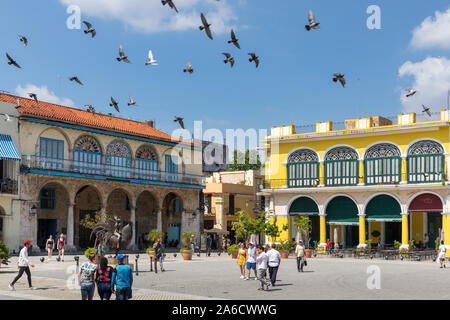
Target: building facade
{"type": "Point", "coordinates": [374, 180]}
{"type": "Point", "coordinates": [76, 163]}
{"type": "Point", "coordinates": [229, 192]}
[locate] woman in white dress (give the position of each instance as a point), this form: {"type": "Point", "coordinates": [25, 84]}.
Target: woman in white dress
{"type": "Point", "coordinates": [441, 255]}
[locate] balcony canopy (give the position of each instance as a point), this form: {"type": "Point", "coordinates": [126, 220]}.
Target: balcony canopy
{"type": "Point", "coordinates": [7, 149]}
{"type": "Point", "coordinates": [342, 211]}
{"type": "Point", "coordinates": [303, 206]}
{"type": "Point", "coordinates": [383, 208]}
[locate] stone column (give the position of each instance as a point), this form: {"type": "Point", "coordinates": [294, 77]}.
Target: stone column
{"type": "Point", "coordinates": [70, 228]}
{"type": "Point", "coordinates": [219, 212]}
{"type": "Point", "coordinates": [159, 219]}
{"type": "Point", "coordinates": [323, 234]}
{"type": "Point", "coordinates": [132, 244]}
{"type": "Point", "coordinates": [362, 231]}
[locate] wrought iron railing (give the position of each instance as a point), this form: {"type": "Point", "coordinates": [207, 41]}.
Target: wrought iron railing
{"type": "Point", "coordinates": [8, 186]}
{"type": "Point", "coordinates": [109, 170]}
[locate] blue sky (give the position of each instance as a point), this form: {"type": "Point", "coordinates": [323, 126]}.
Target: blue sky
{"type": "Point", "coordinates": [292, 85]}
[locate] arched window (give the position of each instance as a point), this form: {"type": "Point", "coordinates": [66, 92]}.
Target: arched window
{"type": "Point", "coordinates": [382, 164]}
{"type": "Point", "coordinates": [303, 169]}
{"type": "Point", "coordinates": [118, 159]}
{"type": "Point", "coordinates": [341, 167]}
{"type": "Point", "coordinates": [425, 162]}
{"type": "Point", "coordinates": [87, 155]}
{"type": "Point", "coordinates": [146, 163]}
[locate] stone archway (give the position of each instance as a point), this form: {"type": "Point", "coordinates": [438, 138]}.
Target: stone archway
{"type": "Point", "coordinates": [342, 215]}
{"type": "Point", "coordinates": [51, 212]}
{"type": "Point", "coordinates": [172, 219]}
{"type": "Point", "coordinates": [88, 202]}
{"type": "Point", "coordinates": [146, 218]}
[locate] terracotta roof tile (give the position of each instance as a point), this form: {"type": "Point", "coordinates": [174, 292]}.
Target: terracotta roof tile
{"type": "Point", "coordinates": [46, 110]}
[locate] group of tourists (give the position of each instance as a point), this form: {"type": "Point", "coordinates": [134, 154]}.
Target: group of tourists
{"type": "Point", "coordinates": [109, 280]}
{"type": "Point", "coordinates": [60, 244]}
{"type": "Point", "coordinates": [261, 259]}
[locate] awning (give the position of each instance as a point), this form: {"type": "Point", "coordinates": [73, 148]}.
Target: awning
{"type": "Point", "coordinates": [7, 149]}
{"type": "Point", "coordinates": [383, 208]}
{"type": "Point", "coordinates": [386, 219]}
{"type": "Point", "coordinates": [216, 231]}
{"type": "Point", "coordinates": [342, 211]}
{"type": "Point", "coordinates": [303, 206]}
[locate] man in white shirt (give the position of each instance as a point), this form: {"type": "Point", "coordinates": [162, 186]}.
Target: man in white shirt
{"type": "Point", "coordinates": [261, 263]}
{"type": "Point", "coordinates": [251, 261]}
{"type": "Point", "coordinates": [274, 263]}
{"type": "Point", "coordinates": [24, 265]}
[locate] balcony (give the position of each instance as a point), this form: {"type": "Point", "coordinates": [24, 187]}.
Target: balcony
{"type": "Point", "coordinates": [108, 171]}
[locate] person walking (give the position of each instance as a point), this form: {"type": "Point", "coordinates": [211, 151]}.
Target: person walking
{"type": "Point", "coordinates": [208, 244]}
{"type": "Point", "coordinates": [242, 258]}
{"type": "Point", "coordinates": [86, 277]}
{"type": "Point", "coordinates": [122, 280]}
{"type": "Point", "coordinates": [328, 246]}
{"type": "Point", "coordinates": [159, 251]}
{"type": "Point", "coordinates": [300, 255]}
{"type": "Point", "coordinates": [50, 245]}
{"type": "Point", "coordinates": [261, 262]}
{"type": "Point", "coordinates": [274, 263]}
{"type": "Point", "coordinates": [441, 254]}
{"type": "Point", "coordinates": [100, 250]}
{"type": "Point", "coordinates": [102, 277]}
{"type": "Point", "coordinates": [61, 245]}
{"type": "Point", "coordinates": [251, 261]}
{"type": "Point", "coordinates": [24, 266]}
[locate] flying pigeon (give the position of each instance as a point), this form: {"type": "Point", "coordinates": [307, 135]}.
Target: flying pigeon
{"type": "Point", "coordinates": [114, 104]}
{"type": "Point", "coordinates": [229, 59]}
{"type": "Point", "coordinates": [189, 68]}
{"type": "Point", "coordinates": [206, 26]}
{"type": "Point", "coordinates": [42, 259]}
{"type": "Point", "coordinates": [90, 108]}
{"type": "Point", "coordinates": [312, 22]}
{"type": "Point", "coordinates": [426, 110]}
{"type": "Point", "coordinates": [132, 102]}
{"type": "Point", "coordinates": [340, 77]}
{"type": "Point", "coordinates": [170, 3]}
{"type": "Point", "coordinates": [151, 60]}
{"type": "Point", "coordinates": [180, 121]}
{"type": "Point", "coordinates": [34, 96]}
{"type": "Point", "coordinates": [234, 40]}
{"type": "Point", "coordinates": [411, 92]}
{"type": "Point", "coordinates": [76, 80]}
{"type": "Point", "coordinates": [89, 29]}
{"type": "Point", "coordinates": [255, 58]}
{"type": "Point", "coordinates": [122, 56]}
{"type": "Point", "coordinates": [12, 61]}
{"type": "Point", "coordinates": [24, 40]}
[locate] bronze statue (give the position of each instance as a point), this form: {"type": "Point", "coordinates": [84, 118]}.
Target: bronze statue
{"type": "Point", "coordinates": [116, 237]}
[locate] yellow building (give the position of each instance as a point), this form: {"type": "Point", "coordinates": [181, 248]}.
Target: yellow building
{"type": "Point", "coordinates": [229, 192]}
{"type": "Point", "coordinates": [373, 180]}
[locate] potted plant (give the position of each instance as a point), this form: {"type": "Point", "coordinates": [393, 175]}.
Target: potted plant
{"type": "Point", "coordinates": [303, 225]}
{"type": "Point", "coordinates": [4, 254]}
{"type": "Point", "coordinates": [233, 250]}
{"type": "Point", "coordinates": [283, 248]}
{"type": "Point", "coordinates": [186, 251]}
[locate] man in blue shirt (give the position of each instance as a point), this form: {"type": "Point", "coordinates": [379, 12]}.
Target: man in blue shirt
{"type": "Point", "coordinates": [124, 277]}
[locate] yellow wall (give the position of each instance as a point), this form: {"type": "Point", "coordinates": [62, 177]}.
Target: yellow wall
{"type": "Point", "coordinates": [417, 226]}
{"type": "Point", "coordinates": [360, 143]}
{"type": "Point", "coordinates": [375, 226]}
{"type": "Point", "coordinates": [284, 236]}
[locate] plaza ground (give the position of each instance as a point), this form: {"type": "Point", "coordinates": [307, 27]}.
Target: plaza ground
{"type": "Point", "coordinates": [218, 278]}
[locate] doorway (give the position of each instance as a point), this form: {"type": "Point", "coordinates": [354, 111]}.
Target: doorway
{"type": "Point", "coordinates": [351, 236]}
{"type": "Point", "coordinates": [46, 227]}
{"type": "Point", "coordinates": [393, 232]}
{"type": "Point", "coordinates": [434, 225]}
{"type": "Point", "coordinates": [173, 235]}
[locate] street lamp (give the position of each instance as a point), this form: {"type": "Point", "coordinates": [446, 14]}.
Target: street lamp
{"type": "Point", "coordinates": [137, 270]}
{"type": "Point", "coordinates": [33, 210]}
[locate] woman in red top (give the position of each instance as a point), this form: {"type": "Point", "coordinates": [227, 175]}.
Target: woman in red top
{"type": "Point", "coordinates": [103, 276]}
{"type": "Point", "coordinates": [61, 245]}
{"type": "Point", "coordinates": [328, 246]}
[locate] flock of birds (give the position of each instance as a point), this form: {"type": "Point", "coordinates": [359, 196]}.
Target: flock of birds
{"type": "Point", "coordinates": [312, 25]}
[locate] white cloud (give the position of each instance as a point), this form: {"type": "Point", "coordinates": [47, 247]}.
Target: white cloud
{"type": "Point", "coordinates": [431, 80]}
{"type": "Point", "coordinates": [152, 16]}
{"type": "Point", "coordinates": [43, 94]}
{"type": "Point", "coordinates": [433, 33]}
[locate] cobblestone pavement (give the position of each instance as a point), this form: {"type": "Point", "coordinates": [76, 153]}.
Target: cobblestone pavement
{"type": "Point", "coordinates": [218, 278]}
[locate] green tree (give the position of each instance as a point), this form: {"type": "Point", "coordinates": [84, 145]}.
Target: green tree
{"type": "Point", "coordinates": [246, 226]}
{"type": "Point", "coordinates": [273, 230]}
{"type": "Point", "coordinates": [304, 226]}
{"type": "Point", "coordinates": [249, 160]}
{"type": "Point", "coordinates": [89, 221]}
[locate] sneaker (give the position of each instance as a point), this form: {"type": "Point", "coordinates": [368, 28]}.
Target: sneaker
{"type": "Point", "coordinates": [11, 287]}
{"type": "Point", "coordinates": [268, 287]}
{"type": "Point", "coordinates": [256, 279]}
{"type": "Point", "coordinates": [246, 278]}
{"type": "Point", "coordinates": [260, 289]}
{"type": "Point", "coordinates": [242, 277]}
{"type": "Point", "coordinates": [32, 288]}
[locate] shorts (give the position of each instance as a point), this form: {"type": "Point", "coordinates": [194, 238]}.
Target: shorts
{"type": "Point", "coordinates": [104, 290]}
{"type": "Point", "coordinates": [87, 290]}
{"type": "Point", "coordinates": [61, 248]}
{"type": "Point", "coordinates": [251, 265]}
